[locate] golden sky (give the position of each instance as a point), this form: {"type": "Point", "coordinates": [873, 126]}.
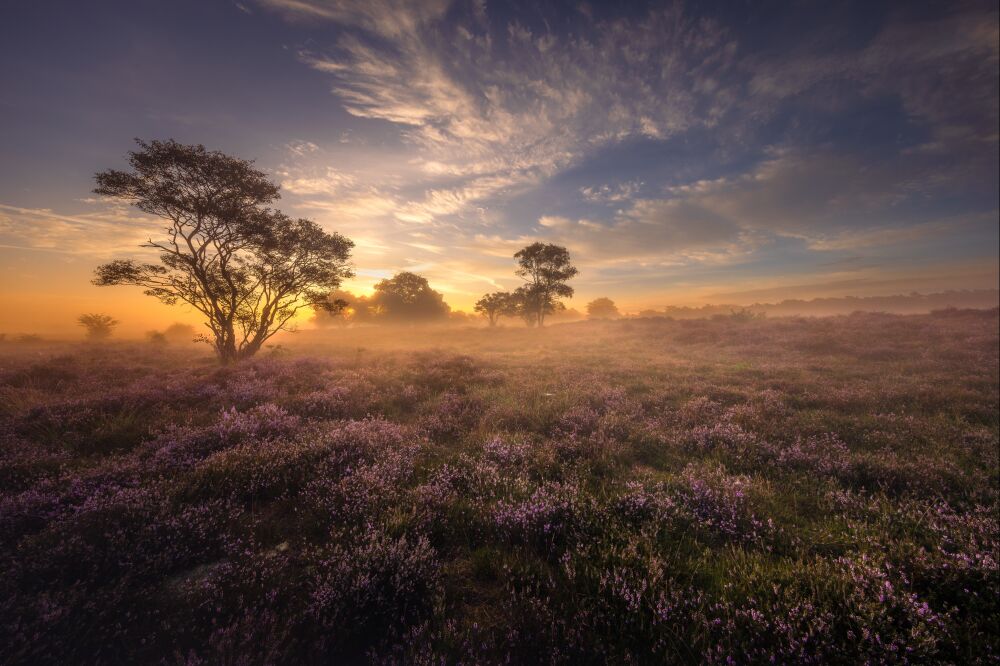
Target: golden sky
{"type": "Point", "coordinates": [684, 155]}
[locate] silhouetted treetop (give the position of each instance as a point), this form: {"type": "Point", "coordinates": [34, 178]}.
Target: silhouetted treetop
{"type": "Point", "coordinates": [602, 308]}
{"type": "Point", "coordinates": [545, 268]}
{"type": "Point", "coordinates": [407, 297]}
{"type": "Point", "coordinates": [176, 181]}
{"type": "Point", "coordinates": [497, 304]}
{"type": "Point", "coordinates": [99, 326]}
{"type": "Point", "coordinates": [247, 268]}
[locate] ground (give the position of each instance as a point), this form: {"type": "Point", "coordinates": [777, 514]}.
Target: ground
{"type": "Point", "coordinates": [643, 491]}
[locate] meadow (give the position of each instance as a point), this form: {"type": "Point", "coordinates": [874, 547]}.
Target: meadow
{"type": "Point", "coordinates": [793, 490]}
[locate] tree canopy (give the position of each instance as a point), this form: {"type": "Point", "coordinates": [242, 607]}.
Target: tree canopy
{"type": "Point", "coordinates": [246, 267]}
{"type": "Point", "coordinates": [545, 268]}
{"type": "Point", "coordinates": [602, 308]}
{"type": "Point", "coordinates": [497, 304]}
{"type": "Point", "coordinates": [99, 326]}
{"type": "Point", "coordinates": [407, 297]}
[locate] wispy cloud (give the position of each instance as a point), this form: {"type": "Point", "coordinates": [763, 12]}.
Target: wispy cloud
{"type": "Point", "coordinates": [611, 193]}
{"type": "Point", "coordinates": [498, 106]}
{"type": "Point", "coordinates": [111, 230]}
{"type": "Point", "coordinates": [330, 182]}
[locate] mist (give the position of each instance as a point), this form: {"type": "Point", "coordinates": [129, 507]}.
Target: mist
{"type": "Point", "coordinates": [499, 332]}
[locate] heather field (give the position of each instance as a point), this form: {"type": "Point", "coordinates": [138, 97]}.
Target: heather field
{"type": "Point", "coordinates": [642, 491]}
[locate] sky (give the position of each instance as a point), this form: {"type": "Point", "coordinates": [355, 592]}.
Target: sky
{"type": "Point", "coordinates": [685, 153]}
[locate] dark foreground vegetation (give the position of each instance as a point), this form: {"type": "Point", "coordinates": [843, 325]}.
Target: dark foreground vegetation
{"type": "Point", "coordinates": [646, 491]}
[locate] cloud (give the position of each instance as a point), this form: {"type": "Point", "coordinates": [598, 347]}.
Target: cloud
{"type": "Point", "coordinates": [900, 235]}
{"type": "Point", "coordinates": [611, 193]}
{"type": "Point", "coordinates": [943, 69]}
{"type": "Point", "coordinates": [828, 201]}
{"type": "Point", "coordinates": [330, 182]}
{"type": "Point", "coordinates": [665, 231]}
{"type": "Point", "coordinates": [300, 148]}
{"type": "Point", "coordinates": [555, 221]}
{"type": "Point", "coordinates": [490, 106]}
{"type": "Point", "coordinates": [113, 230]}
{"type": "Point", "coordinates": [822, 195]}
{"type": "Point", "coordinates": [365, 205]}
{"type": "Point", "coordinates": [503, 105]}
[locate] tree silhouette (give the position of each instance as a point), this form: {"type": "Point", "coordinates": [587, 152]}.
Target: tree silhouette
{"type": "Point", "coordinates": [545, 268]}
{"type": "Point", "coordinates": [347, 309]}
{"type": "Point", "coordinates": [497, 304]}
{"type": "Point", "coordinates": [602, 308]}
{"type": "Point", "coordinates": [180, 333]}
{"type": "Point", "coordinates": [99, 326]}
{"type": "Point", "coordinates": [407, 297]}
{"type": "Point", "coordinates": [247, 268]}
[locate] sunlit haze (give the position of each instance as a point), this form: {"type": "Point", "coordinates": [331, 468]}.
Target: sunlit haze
{"type": "Point", "coordinates": [499, 332]}
{"type": "Point", "coordinates": [684, 153]}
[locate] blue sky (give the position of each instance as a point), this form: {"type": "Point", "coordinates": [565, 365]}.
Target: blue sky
{"type": "Point", "coordinates": [684, 152]}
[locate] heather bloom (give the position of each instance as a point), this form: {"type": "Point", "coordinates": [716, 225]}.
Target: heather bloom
{"type": "Point", "coordinates": [720, 503]}
{"type": "Point", "coordinates": [263, 421]}
{"type": "Point", "coordinates": [825, 454]}
{"type": "Point", "coordinates": [546, 514]}
{"type": "Point", "coordinates": [437, 507]}
{"type": "Point", "coordinates": [724, 435]}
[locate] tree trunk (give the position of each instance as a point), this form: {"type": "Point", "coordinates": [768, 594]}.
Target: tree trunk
{"type": "Point", "coordinates": [249, 351]}
{"type": "Point", "coordinates": [225, 346]}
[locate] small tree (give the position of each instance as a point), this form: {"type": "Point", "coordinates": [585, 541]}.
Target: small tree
{"type": "Point", "coordinates": [347, 308]}
{"type": "Point", "coordinates": [407, 297]}
{"type": "Point", "coordinates": [545, 268]}
{"type": "Point", "coordinates": [99, 326]}
{"type": "Point", "coordinates": [602, 308]}
{"type": "Point", "coordinates": [248, 269]}
{"type": "Point", "coordinates": [745, 314]}
{"type": "Point", "coordinates": [496, 305]}
{"type": "Point", "coordinates": [180, 333]}
{"type": "Point", "coordinates": [532, 305]}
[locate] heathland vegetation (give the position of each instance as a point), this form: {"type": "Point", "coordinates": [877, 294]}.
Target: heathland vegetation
{"type": "Point", "coordinates": [637, 491]}
{"type": "Point", "coordinates": [727, 489]}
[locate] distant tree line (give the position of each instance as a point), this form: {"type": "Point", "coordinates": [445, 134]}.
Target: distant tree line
{"type": "Point", "coordinates": [249, 269]}
{"type": "Point", "coordinates": [545, 270]}
{"type": "Point", "coordinates": [405, 298]}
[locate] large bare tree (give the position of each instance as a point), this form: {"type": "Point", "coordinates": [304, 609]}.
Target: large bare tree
{"type": "Point", "coordinates": [249, 269]}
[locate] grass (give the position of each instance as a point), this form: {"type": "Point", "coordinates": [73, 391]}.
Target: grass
{"type": "Point", "coordinates": [646, 491]}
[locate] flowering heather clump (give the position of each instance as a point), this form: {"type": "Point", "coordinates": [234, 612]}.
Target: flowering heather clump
{"type": "Point", "coordinates": [505, 453]}
{"type": "Point", "coordinates": [727, 436]}
{"type": "Point", "coordinates": [823, 454]}
{"type": "Point", "coordinates": [766, 491]}
{"type": "Point", "coordinates": [719, 503]}
{"type": "Point", "coordinates": [261, 422]}
{"type": "Point", "coordinates": [641, 505]}
{"type": "Point", "coordinates": [375, 582]}
{"type": "Point", "coordinates": [547, 514]}
{"type": "Point", "coordinates": [699, 410]}
{"type": "Point", "coordinates": [455, 414]}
